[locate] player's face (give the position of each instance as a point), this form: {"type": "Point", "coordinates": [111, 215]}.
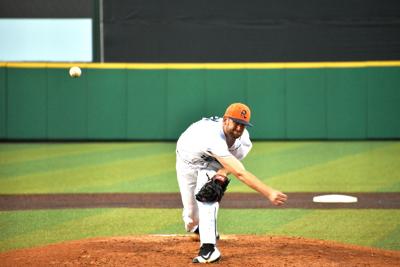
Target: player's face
{"type": "Point", "coordinates": [233, 129]}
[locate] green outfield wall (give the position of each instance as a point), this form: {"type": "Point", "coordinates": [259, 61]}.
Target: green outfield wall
{"type": "Point", "coordinates": [158, 101]}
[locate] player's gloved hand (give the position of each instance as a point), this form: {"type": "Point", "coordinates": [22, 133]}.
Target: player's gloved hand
{"type": "Point", "coordinates": [214, 189]}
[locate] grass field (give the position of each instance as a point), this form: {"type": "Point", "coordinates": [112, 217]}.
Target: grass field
{"type": "Point", "coordinates": [149, 167]}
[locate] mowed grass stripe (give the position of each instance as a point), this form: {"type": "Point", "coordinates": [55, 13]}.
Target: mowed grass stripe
{"type": "Point", "coordinates": [93, 178]}
{"type": "Point", "coordinates": [256, 221]}
{"type": "Point", "coordinates": [19, 223]}
{"type": "Point", "coordinates": [394, 187]}
{"type": "Point", "coordinates": [377, 228]}
{"type": "Point", "coordinates": [155, 173]}
{"type": "Point", "coordinates": [291, 167]}
{"type": "Point", "coordinates": [272, 167]}
{"type": "Point", "coordinates": [34, 152]}
{"type": "Point", "coordinates": [311, 153]}
{"type": "Point", "coordinates": [83, 159]}
{"type": "Point", "coordinates": [18, 147]}
{"type": "Point", "coordinates": [165, 181]}
{"type": "Point", "coordinates": [107, 222]}
{"type": "Point", "coordinates": [376, 170]}
{"type": "Point", "coordinates": [244, 221]}
{"type": "Point", "coordinates": [391, 240]}
{"type": "Point", "coordinates": [363, 227]}
{"type": "Point", "coordinates": [260, 148]}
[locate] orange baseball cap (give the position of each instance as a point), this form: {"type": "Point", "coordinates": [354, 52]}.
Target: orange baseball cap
{"type": "Point", "coordinates": [239, 113]}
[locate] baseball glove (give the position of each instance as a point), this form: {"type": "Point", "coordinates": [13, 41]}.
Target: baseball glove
{"type": "Point", "coordinates": [214, 189]}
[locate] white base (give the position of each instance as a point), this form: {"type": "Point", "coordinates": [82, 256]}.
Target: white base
{"type": "Point", "coordinates": [335, 199]}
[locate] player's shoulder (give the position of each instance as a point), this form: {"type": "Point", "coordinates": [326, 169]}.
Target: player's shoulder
{"type": "Point", "coordinates": [213, 130]}
{"type": "Point", "coordinates": [210, 124]}
{"type": "Point", "coordinates": [206, 127]}
{"type": "Point", "coordinates": [212, 120]}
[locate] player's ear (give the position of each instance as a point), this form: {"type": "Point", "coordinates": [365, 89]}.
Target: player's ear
{"type": "Point", "coordinates": [225, 121]}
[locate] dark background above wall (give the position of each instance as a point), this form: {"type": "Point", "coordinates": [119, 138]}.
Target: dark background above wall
{"type": "Point", "coordinates": [46, 8]}
{"type": "Point", "coordinates": [255, 31]}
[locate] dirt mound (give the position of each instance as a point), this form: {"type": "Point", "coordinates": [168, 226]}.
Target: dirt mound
{"type": "Point", "coordinates": [237, 250]}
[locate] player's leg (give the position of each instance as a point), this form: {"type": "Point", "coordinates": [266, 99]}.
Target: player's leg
{"type": "Point", "coordinates": [207, 223]}
{"type": "Point", "coordinates": [187, 179]}
{"type": "Point", "coordinates": [207, 211]}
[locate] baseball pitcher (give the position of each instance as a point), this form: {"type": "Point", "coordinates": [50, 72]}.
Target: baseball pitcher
{"type": "Point", "coordinates": [206, 153]}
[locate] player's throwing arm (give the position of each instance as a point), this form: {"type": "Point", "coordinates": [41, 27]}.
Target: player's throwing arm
{"type": "Point", "coordinates": [235, 167]}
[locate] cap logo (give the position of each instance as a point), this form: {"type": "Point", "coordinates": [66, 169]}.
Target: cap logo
{"type": "Point", "coordinates": [243, 114]}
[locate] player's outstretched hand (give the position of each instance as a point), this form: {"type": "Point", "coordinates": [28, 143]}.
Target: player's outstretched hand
{"type": "Point", "coordinates": [277, 198]}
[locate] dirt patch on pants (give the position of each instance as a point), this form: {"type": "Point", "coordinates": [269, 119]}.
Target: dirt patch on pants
{"type": "Point", "coordinates": [236, 250]}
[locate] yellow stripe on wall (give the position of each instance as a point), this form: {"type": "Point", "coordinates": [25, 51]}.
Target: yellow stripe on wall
{"type": "Point", "coordinates": [282, 65]}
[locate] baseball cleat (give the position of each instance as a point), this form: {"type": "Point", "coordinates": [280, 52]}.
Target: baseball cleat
{"type": "Point", "coordinates": [208, 253]}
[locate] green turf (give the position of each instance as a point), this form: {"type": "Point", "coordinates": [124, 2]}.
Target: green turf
{"type": "Point", "coordinates": [150, 167]}
{"type": "Point", "coordinates": [88, 168]}
{"type": "Point", "coordinates": [362, 227]}
{"type": "Point", "coordinates": [329, 166]}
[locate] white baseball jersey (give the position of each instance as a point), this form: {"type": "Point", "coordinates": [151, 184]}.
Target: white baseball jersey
{"type": "Point", "coordinates": [205, 138]}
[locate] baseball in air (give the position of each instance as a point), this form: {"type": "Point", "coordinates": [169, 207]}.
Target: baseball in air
{"type": "Point", "coordinates": [75, 72]}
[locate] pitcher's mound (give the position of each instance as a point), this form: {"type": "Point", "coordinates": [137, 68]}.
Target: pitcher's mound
{"type": "Point", "coordinates": [178, 250]}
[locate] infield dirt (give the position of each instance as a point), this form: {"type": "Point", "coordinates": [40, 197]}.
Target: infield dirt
{"type": "Point", "coordinates": [237, 250]}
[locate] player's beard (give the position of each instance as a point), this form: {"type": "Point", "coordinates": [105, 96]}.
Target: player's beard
{"type": "Point", "coordinates": [232, 131]}
{"type": "Point", "coordinates": [236, 134]}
